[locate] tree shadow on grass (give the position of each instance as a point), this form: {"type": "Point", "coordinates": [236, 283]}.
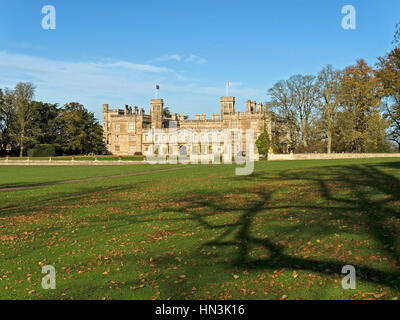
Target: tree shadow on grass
{"type": "Point", "coordinates": [61, 199]}
{"type": "Point", "coordinates": [362, 198]}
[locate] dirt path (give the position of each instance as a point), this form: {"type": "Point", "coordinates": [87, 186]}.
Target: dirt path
{"type": "Point", "coordinates": [24, 187]}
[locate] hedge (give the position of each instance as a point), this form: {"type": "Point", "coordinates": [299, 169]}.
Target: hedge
{"type": "Point", "coordinates": [42, 150]}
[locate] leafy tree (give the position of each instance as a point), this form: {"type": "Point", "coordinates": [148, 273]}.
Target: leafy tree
{"type": "Point", "coordinates": [22, 127]}
{"type": "Point", "coordinates": [45, 116]}
{"type": "Point", "coordinates": [2, 118]}
{"type": "Point", "coordinates": [388, 75]}
{"type": "Point", "coordinates": [166, 112]}
{"type": "Point", "coordinates": [360, 104]}
{"type": "Point", "coordinates": [78, 130]}
{"type": "Point", "coordinates": [8, 118]}
{"type": "Point", "coordinates": [263, 143]}
{"type": "Point", "coordinates": [329, 87]}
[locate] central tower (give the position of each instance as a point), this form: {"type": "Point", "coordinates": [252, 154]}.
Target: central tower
{"type": "Point", "coordinates": [156, 112]}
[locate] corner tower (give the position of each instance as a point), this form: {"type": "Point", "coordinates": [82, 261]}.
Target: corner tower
{"type": "Point", "coordinates": [227, 106]}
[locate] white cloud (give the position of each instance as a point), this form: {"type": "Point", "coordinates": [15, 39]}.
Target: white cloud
{"type": "Point", "coordinates": [115, 82]}
{"type": "Point", "coordinates": [180, 57]}
{"type": "Point", "coordinates": [195, 59]}
{"type": "Point", "coordinates": [176, 57]}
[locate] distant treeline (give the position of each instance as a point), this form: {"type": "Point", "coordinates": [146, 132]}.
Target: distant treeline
{"type": "Point", "coordinates": [352, 110]}
{"type": "Point", "coordinates": [26, 124]}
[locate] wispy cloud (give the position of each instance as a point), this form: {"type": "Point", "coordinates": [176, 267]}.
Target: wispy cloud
{"type": "Point", "coordinates": [180, 58]}
{"type": "Point", "coordinates": [195, 59]}
{"type": "Point", "coordinates": [176, 57]}
{"type": "Point", "coordinates": [115, 82]}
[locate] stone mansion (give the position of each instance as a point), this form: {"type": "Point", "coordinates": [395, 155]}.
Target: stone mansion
{"type": "Point", "coordinates": [131, 131]}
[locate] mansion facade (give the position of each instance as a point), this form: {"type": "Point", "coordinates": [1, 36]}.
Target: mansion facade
{"type": "Point", "coordinates": [131, 131]}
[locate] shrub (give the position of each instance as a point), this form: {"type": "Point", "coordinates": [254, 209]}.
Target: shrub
{"type": "Point", "coordinates": [263, 143]}
{"type": "Point", "coordinates": [42, 150]}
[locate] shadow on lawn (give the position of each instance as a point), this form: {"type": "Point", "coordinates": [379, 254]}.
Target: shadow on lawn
{"type": "Point", "coordinates": [363, 198]}
{"type": "Point", "coordinates": [61, 199]}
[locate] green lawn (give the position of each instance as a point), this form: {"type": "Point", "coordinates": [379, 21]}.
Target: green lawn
{"type": "Point", "coordinates": [13, 176]}
{"type": "Point", "coordinates": [285, 232]}
{"type": "Point", "coordinates": [79, 158]}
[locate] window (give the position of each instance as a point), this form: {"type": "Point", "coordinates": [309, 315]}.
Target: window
{"type": "Point", "coordinates": [116, 138]}
{"type": "Point", "coordinates": [117, 127]}
{"type": "Point", "coordinates": [132, 138]}
{"type": "Point", "coordinates": [131, 126]}
{"type": "Point", "coordinates": [132, 149]}
{"type": "Point", "coordinates": [116, 148]}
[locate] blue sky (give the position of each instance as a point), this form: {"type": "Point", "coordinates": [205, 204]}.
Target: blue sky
{"type": "Point", "coordinates": [116, 51]}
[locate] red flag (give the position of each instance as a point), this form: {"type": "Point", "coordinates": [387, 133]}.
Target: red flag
{"type": "Point", "coordinates": [157, 87]}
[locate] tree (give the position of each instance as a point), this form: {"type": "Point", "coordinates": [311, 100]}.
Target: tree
{"type": "Point", "coordinates": [2, 118]}
{"type": "Point", "coordinates": [44, 118]}
{"type": "Point", "coordinates": [8, 118]}
{"type": "Point", "coordinates": [281, 102]}
{"type": "Point", "coordinates": [396, 39]}
{"type": "Point", "coordinates": [388, 75]}
{"type": "Point", "coordinates": [166, 112]}
{"type": "Point", "coordinates": [296, 100]}
{"type": "Point", "coordinates": [263, 143]}
{"type": "Point", "coordinates": [78, 131]}
{"type": "Point", "coordinates": [305, 99]}
{"type": "Point", "coordinates": [23, 125]}
{"type": "Point", "coordinates": [329, 88]}
{"type": "Point", "coordinates": [360, 104]}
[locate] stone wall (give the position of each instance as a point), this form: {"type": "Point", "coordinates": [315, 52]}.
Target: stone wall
{"type": "Point", "coordinates": [320, 156]}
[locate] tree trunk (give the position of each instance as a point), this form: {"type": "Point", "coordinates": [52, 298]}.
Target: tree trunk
{"type": "Point", "coordinates": [329, 146]}
{"type": "Point", "coordinates": [21, 151]}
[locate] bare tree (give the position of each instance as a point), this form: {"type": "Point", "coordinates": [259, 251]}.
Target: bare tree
{"type": "Point", "coordinates": [396, 38]}
{"type": "Point", "coordinates": [281, 103]}
{"type": "Point", "coordinates": [304, 98]}
{"type": "Point", "coordinates": [329, 88]}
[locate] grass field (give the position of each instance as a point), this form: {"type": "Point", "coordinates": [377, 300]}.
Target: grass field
{"type": "Point", "coordinates": [285, 232]}
{"type": "Point", "coordinates": [78, 158]}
